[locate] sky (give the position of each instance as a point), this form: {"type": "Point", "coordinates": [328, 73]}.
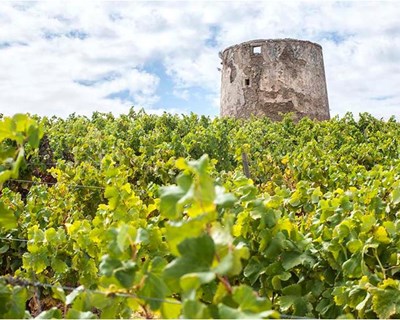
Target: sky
{"type": "Point", "coordinates": [63, 57]}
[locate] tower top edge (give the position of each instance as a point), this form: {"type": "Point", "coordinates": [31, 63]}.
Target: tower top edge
{"type": "Point", "coordinates": [259, 42]}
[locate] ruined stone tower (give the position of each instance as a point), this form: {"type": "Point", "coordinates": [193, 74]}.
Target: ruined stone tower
{"type": "Point", "coordinates": [273, 77]}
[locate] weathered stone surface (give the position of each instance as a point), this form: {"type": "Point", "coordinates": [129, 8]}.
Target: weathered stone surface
{"type": "Point", "coordinates": [273, 77]}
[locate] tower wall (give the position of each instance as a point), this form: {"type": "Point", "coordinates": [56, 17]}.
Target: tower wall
{"type": "Point", "coordinates": [273, 77]}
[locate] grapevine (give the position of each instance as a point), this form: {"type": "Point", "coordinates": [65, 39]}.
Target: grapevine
{"type": "Point", "coordinates": [152, 216]}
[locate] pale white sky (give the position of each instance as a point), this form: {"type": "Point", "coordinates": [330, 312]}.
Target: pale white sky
{"type": "Point", "coordinates": [60, 57]}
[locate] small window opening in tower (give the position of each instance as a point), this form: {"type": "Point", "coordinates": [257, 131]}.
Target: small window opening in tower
{"type": "Point", "coordinates": [257, 50]}
{"type": "Point", "coordinates": [247, 82]}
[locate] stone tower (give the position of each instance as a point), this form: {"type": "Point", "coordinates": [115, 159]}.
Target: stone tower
{"type": "Point", "coordinates": [273, 77]}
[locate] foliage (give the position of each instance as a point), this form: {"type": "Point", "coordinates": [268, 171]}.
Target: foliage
{"type": "Point", "coordinates": [14, 133]}
{"type": "Point", "coordinates": [121, 212]}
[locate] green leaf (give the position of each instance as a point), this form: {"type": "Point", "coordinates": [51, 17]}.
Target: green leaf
{"type": "Point", "coordinates": [270, 216]}
{"type": "Point", "coordinates": [179, 231]}
{"type": "Point", "coordinates": [226, 312]}
{"type": "Point", "coordinates": [4, 248]}
{"type": "Point", "coordinates": [231, 263]}
{"type": "Point", "coordinates": [225, 265]}
{"type": "Point", "coordinates": [362, 305]}
{"type": "Point", "coordinates": [18, 128]}
{"type": "Point", "coordinates": [395, 194]}
{"type": "Point", "coordinates": [197, 255]}
{"type": "Point", "coordinates": [52, 313]}
{"type": "Point", "coordinates": [300, 305]}
{"type": "Point", "coordinates": [7, 128]}
{"type": "Point", "coordinates": [154, 287]}
{"type": "Point", "coordinates": [316, 195]}
{"type": "Point", "coordinates": [354, 245]}
{"type": "Point", "coordinates": [4, 176]}
{"type": "Point", "coordinates": [240, 252]}
{"type": "Point", "coordinates": [386, 303]}
{"type": "Point", "coordinates": [59, 265]}
{"type": "Point", "coordinates": [293, 298]}
{"type": "Point", "coordinates": [37, 261]}
{"type": "Point", "coordinates": [368, 221]}
{"type": "Point", "coordinates": [190, 282]}
{"type": "Point", "coordinates": [352, 267]}
{"type": "Point", "coordinates": [276, 245]}
{"type": "Point", "coordinates": [58, 293]}
{"type": "Point", "coordinates": [194, 310]}
{"type": "Point", "coordinates": [50, 234]}
{"type": "Point", "coordinates": [108, 265]}
{"type": "Point", "coordinates": [169, 198]}
{"type": "Point", "coordinates": [390, 227]}
{"type": "Point", "coordinates": [248, 299]}
{"type": "Point", "coordinates": [35, 133]}
{"type": "Point", "coordinates": [112, 194]}
{"type": "Point", "coordinates": [184, 181]}
{"type": "Point", "coordinates": [142, 236]}
{"type": "Point", "coordinates": [171, 310]}
{"type": "Point", "coordinates": [14, 306]}
{"type": "Point", "coordinates": [126, 236]}
{"type": "Point", "coordinates": [109, 311]}
{"type": "Point", "coordinates": [21, 122]}
{"type": "Point", "coordinates": [224, 200]}
{"type": "Point", "coordinates": [292, 259]}
{"type": "Point", "coordinates": [292, 290]}
{"type": "Point", "coordinates": [381, 235]}
{"type": "Point", "coordinates": [249, 305]}
{"type": "Point", "coordinates": [253, 270]}
{"type": "Point", "coordinates": [75, 314]}
{"type": "Point", "coordinates": [7, 219]}
{"type": "Point", "coordinates": [126, 274]}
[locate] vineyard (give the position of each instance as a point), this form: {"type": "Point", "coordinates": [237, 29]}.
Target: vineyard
{"type": "Point", "coordinates": [185, 216]}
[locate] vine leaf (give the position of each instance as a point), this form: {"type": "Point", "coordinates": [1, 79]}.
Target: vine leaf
{"type": "Point", "coordinates": [7, 219]}
{"type": "Point", "coordinates": [196, 255]}
{"type": "Point", "coordinates": [249, 305]}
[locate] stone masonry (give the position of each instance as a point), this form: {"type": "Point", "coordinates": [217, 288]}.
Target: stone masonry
{"type": "Point", "coordinates": [273, 77]}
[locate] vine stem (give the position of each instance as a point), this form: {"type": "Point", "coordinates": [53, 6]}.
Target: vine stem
{"type": "Point", "coordinates": [146, 312]}
{"type": "Point", "coordinates": [380, 263]}
{"type": "Point", "coordinates": [224, 280]}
